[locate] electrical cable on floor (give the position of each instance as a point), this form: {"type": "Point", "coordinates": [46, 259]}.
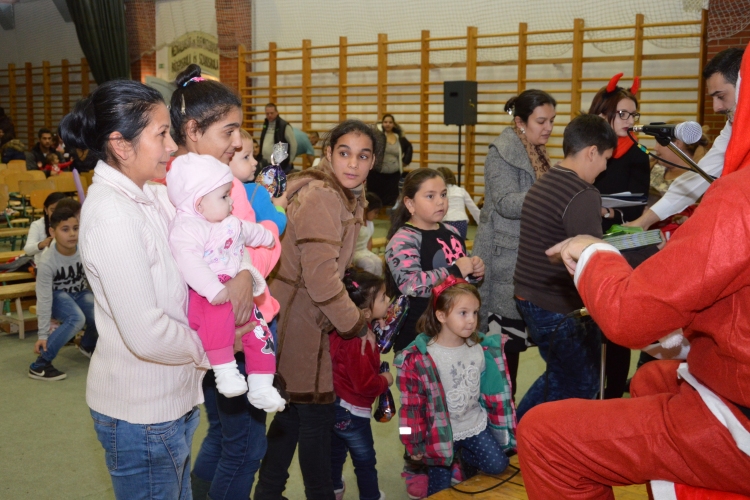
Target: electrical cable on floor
{"type": "Point", "coordinates": [516, 470]}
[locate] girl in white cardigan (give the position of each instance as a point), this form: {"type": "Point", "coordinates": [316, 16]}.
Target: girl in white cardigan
{"type": "Point", "coordinates": [144, 382]}
{"type": "Point", "coordinates": [39, 239]}
{"type": "Point", "coordinates": [459, 201]}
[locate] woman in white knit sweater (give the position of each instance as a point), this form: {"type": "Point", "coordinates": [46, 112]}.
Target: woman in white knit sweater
{"type": "Point", "coordinates": [144, 382]}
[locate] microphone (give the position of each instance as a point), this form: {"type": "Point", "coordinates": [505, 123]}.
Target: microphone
{"type": "Point", "coordinates": [687, 132]}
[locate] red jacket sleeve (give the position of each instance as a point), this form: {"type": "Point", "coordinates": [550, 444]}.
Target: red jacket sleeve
{"type": "Point", "coordinates": [706, 261]}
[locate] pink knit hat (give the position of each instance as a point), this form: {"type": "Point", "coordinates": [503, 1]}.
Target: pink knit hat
{"type": "Point", "coordinates": [193, 176]}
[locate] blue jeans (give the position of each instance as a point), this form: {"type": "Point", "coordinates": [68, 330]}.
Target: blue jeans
{"type": "Point", "coordinates": [148, 461]}
{"type": "Point", "coordinates": [481, 451]}
{"type": "Point", "coordinates": [354, 434]}
{"type": "Point", "coordinates": [235, 443]}
{"type": "Point", "coordinates": [573, 356]}
{"type": "Point", "coordinates": [72, 310]}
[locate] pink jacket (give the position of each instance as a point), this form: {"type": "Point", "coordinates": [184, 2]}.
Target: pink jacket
{"type": "Point", "coordinates": [264, 259]}
{"type": "Point", "coordinates": [204, 250]}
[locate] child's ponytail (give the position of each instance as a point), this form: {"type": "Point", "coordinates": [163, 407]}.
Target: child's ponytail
{"type": "Point", "coordinates": [362, 287]}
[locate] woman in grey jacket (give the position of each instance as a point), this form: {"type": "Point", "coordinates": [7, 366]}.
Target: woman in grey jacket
{"type": "Point", "coordinates": [516, 158]}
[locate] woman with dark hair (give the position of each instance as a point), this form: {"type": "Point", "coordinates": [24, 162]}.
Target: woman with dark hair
{"type": "Point", "coordinates": [383, 179]}
{"type": "Point", "coordinates": [144, 381]}
{"type": "Point", "coordinates": [325, 212]}
{"type": "Point", "coordinates": [516, 159]}
{"type": "Point", "coordinates": [206, 119]}
{"type": "Point", "coordinates": [628, 170]}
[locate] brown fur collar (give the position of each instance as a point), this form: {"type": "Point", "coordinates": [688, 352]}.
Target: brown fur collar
{"type": "Point", "coordinates": [324, 172]}
{"type": "Point", "coordinates": [312, 398]}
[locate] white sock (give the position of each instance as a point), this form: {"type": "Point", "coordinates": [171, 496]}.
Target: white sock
{"type": "Point", "coordinates": [229, 381]}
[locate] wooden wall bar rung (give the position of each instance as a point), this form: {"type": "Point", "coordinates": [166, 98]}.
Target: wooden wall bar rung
{"type": "Point", "coordinates": [674, 23]}
{"type": "Point", "coordinates": [39, 96]}
{"type": "Point", "coordinates": [405, 77]}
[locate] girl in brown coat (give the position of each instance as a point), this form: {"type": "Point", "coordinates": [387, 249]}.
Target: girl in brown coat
{"type": "Point", "coordinates": [325, 212]}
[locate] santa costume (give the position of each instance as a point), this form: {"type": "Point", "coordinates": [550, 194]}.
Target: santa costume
{"type": "Point", "coordinates": [686, 423]}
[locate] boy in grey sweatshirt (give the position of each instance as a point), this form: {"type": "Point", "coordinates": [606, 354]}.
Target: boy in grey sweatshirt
{"type": "Point", "coordinates": [62, 292]}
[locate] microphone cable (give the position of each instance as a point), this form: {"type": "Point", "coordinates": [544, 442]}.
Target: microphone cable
{"type": "Point", "coordinates": [645, 150]}
{"type": "Point", "coordinates": [507, 480]}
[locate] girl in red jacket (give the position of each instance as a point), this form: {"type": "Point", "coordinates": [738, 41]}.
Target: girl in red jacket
{"type": "Point", "coordinates": [357, 381]}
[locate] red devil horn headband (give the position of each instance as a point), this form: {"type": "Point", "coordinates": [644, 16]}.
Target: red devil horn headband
{"type": "Point", "coordinates": [446, 284]}
{"type": "Point", "coordinates": [612, 85]}
{"type": "Point", "coordinates": [636, 85]}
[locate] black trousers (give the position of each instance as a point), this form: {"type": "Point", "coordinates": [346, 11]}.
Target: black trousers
{"type": "Point", "coordinates": [310, 427]}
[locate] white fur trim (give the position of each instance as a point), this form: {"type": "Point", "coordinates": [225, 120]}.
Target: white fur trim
{"type": "Point", "coordinates": [586, 255]}
{"type": "Point", "coordinates": [663, 490]}
{"type": "Point", "coordinates": [720, 410]}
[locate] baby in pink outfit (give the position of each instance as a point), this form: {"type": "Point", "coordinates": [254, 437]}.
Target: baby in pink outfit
{"type": "Point", "coordinates": [208, 244]}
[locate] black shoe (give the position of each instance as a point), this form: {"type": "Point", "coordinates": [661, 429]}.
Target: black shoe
{"type": "Point", "coordinates": [48, 373]}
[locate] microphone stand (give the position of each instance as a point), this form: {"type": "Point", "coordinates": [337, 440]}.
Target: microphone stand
{"type": "Point", "coordinates": [666, 141]}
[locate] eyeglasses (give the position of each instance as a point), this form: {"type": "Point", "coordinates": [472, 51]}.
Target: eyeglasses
{"type": "Point", "coordinates": [624, 115]}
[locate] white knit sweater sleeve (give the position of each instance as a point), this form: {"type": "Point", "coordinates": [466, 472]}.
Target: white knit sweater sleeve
{"type": "Point", "coordinates": [36, 236]}
{"type": "Point", "coordinates": [119, 260]}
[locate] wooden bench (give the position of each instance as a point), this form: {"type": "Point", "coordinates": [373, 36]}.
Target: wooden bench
{"type": "Point", "coordinates": [10, 277]}
{"type": "Point", "coordinates": [14, 231]}
{"type": "Point", "coordinates": [6, 256]}
{"type": "Point", "coordinates": [17, 292]}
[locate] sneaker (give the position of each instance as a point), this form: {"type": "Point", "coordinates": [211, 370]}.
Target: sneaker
{"type": "Point", "coordinates": [49, 372]}
{"type": "Point", "coordinates": [340, 492]}
{"type": "Point", "coordinates": [416, 485]}
{"type": "Point", "coordinates": [457, 476]}
{"type": "Point", "coordinates": [85, 352]}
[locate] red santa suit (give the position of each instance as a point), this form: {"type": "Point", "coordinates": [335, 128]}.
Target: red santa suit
{"type": "Point", "coordinates": [689, 430]}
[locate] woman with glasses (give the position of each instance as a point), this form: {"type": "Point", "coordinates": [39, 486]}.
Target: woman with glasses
{"type": "Point", "coordinates": [628, 169]}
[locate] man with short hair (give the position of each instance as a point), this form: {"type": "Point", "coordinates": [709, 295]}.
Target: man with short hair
{"type": "Point", "coordinates": [42, 148]}
{"type": "Point", "coordinates": [306, 142]}
{"type": "Point", "coordinates": [721, 79]}
{"type": "Point", "coordinates": [276, 129]}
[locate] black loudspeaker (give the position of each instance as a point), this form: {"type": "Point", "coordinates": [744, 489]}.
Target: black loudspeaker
{"type": "Point", "coordinates": [460, 103]}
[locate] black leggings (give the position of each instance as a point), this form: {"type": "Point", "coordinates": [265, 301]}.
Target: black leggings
{"type": "Point", "coordinates": [310, 426]}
